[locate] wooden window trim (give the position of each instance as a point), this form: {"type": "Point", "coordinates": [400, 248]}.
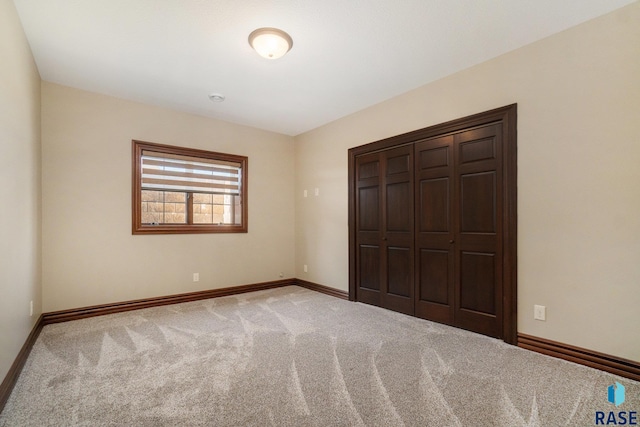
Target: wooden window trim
{"type": "Point", "coordinates": [136, 193]}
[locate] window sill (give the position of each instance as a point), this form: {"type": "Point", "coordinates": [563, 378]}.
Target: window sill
{"type": "Point", "coordinates": [188, 229]}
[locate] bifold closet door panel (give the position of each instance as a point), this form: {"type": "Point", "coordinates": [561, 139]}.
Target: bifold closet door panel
{"type": "Point", "coordinates": [398, 236]}
{"type": "Point", "coordinates": [478, 258]}
{"type": "Point", "coordinates": [384, 229]}
{"type": "Point", "coordinates": [458, 271]}
{"type": "Point", "coordinates": [434, 198]}
{"type": "Point", "coordinates": [368, 228]}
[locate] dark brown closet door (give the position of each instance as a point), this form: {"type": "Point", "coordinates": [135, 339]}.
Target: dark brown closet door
{"type": "Point", "coordinates": [384, 229]}
{"type": "Point", "coordinates": [478, 228]}
{"type": "Point", "coordinates": [368, 228]}
{"type": "Point", "coordinates": [460, 226]}
{"type": "Point", "coordinates": [459, 229]}
{"type": "Point", "coordinates": [435, 234]}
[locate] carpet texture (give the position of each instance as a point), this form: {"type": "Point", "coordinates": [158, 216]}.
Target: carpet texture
{"type": "Point", "coordinates": [294, 357]}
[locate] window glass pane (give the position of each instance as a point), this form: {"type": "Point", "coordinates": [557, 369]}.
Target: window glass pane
{"type": "Point", "coordinates": [216, 209]}
{"type": "Point", "coordinates": [164, 207]}
{"type": "Point", "coordinates": [202, 208]}
{"type": "Point", "coordinates": [237, 209]}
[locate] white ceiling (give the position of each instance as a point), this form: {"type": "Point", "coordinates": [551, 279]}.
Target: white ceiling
{"type": "Point", "coordinates": [346, 56]}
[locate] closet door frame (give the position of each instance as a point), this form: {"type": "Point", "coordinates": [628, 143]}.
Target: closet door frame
{"type": "Point", "coordinates": [507, 117]}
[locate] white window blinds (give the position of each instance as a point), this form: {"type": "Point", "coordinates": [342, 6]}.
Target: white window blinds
{"type": "Point", "coordinates": [170, 172]}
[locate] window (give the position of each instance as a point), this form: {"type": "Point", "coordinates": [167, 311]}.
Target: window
{"type": "Point", "coordinates": [183, 190]}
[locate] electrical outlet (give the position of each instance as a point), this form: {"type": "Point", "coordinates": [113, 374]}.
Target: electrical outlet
{"type": "Point", "coordinates": [31, 309]}
{"type": "Point", "coordinates": [196, 277]}
{"type": "Point", "coordinates": [304, 193]}
{"type": "Point", "coordinates": [281, 274]}
{"type": "Point", "coordinates": [317, 191]}
{"type": "Point", "coordinates": [305, 268]}
{"type": "Point", "coordinates": [539, 312]}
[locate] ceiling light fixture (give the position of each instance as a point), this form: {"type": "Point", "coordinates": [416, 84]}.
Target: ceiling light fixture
{"type": "Point", "coordinates": [270, 43]}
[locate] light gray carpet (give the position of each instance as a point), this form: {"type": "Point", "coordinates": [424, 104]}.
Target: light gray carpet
{"type": "Point", "coordinates": [294, 357]}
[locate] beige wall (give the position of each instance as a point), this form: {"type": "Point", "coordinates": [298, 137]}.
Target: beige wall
{"type": "Point", "coordinates": [578, 95]}
{"type": "Point", "coordinates": [89, 254]}
{"type": "Point", "coordinates": [20, 265]}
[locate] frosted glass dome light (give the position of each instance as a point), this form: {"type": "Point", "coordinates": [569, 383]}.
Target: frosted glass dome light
{"type": "Point", "coordinates": [270, 43]}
